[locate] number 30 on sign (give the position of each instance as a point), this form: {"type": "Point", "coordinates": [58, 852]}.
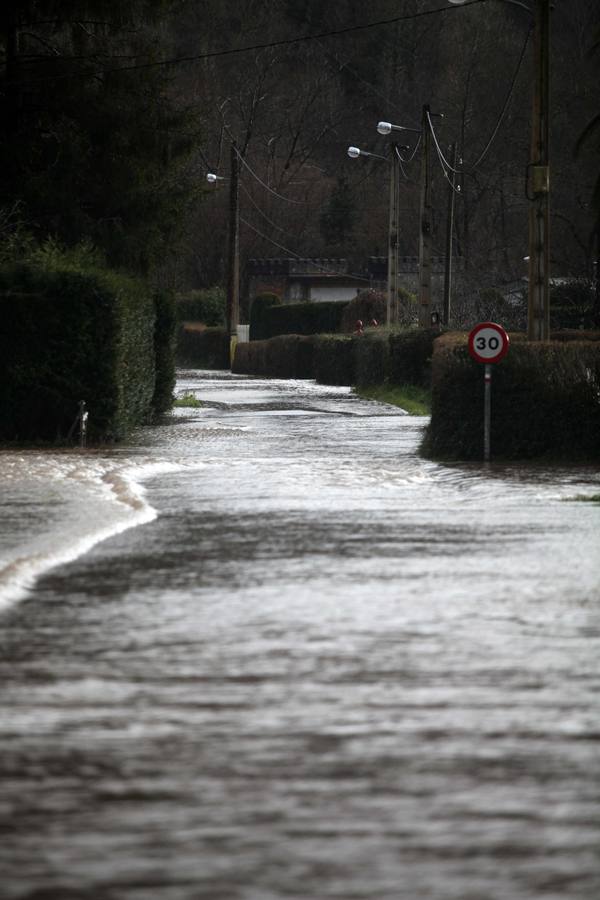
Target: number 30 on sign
{"type": "Point", "coordinates": [488, 342]}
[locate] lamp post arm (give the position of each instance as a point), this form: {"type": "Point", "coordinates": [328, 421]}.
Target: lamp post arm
{"type": "Point", "coordinates": [511, 2]}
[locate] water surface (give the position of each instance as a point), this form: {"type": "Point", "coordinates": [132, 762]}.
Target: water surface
{"type": "Point", "coordinates": [317, 667]}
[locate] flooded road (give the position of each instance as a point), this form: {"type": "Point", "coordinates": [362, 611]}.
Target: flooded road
{"type": "Point", "coordinates": [317, 667]}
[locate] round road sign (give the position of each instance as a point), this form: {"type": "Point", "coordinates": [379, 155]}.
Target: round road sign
{"type": "Point", "coordinates": [488, 342]}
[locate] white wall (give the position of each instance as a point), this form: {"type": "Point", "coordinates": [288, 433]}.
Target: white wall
{"type": "Point", "coordinates": [320, 293]}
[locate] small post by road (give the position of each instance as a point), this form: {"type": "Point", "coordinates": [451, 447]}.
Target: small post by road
{"type": "Point", "coordinates": [83, 417]}
{"type": "Point", "coordinates": [487, 412]}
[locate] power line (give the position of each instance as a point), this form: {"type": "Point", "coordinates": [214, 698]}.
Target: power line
{"type": "Point", "coordinates": [261, 182]}
{"type": "Point", "coordinates": [283, 42]}
{"type": "Point", "coordinates": [260, 211]}
{"type": "Point", "coordinates": [445, 164]}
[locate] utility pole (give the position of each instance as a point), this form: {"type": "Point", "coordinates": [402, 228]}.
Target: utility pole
{"type": "Point", "coordinates": [233, 273]}
{"type": "Point", "coordinates": [392, 282]}
{"type": "Point", "coordinates": [449, 235]}
{"type": "Point", "coordinates": [538, 188]}
{"type": "Point", "coordinates": [425, 222]}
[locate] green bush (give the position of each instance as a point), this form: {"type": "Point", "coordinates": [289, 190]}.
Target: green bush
{"type": "Point", "coordinates": [304, 318]}
{"type": "Point", "coordinates": [372, 357]}
{"type": "Point", "coordinates": [164, 351]}
{"type": "Point", "coordinates": [290, 356]}
{"type": "Point", "coordinates": [251, 358]}
{"type": "Point", "coordinates": [259, 308]}
{"type": "Point", "coordinates": [545, 403]}
{"type": "Point", "coordinates": [69, 335]}
{"type": "Point", "coordinates": [334, 359]}
{"type": "Point", "coordinates": [572, 306]}
{"type": "Point", "coordinates": [286, 356]}
{"type": "Point", "coordinates": [366, 306]}
{"type": "Point", "coordinates": [410, 356]}
{"type": "Point", "coordinates": [206, 348]}
{"type": "Point", "coordinates": [206, 306]}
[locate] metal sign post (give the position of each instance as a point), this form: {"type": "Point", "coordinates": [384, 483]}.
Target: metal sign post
{"type": "Point", "coordinates": [487, 411]}
{"type": "Point", "coordinates": [488, 343]}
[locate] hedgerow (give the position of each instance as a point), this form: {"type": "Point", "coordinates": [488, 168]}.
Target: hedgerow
{"type": "Point", "coordinates": [207, 348]}
{"type": "Point", "coordinates": [71, 331]}
{"type": "Point", "coordinates": [545, 402]}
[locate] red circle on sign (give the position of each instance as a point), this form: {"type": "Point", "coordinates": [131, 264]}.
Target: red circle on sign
{"type": "Point", "coordinates": [488, 342]}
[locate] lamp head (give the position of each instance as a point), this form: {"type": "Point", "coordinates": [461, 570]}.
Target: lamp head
{"type": "Point", "coordinates": [353, 152]}
{"type": "Point", "coordinates": [384, 127]}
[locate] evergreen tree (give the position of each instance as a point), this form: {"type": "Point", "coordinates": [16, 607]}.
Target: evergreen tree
{"type": "Point", "coordinates": [339, 217]}
{"type": "Point", "coordinates": [92, 148]}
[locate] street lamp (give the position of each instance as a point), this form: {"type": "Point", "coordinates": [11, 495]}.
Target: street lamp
{"type": "Point", "coordinates": [233, 262]}
{"type": "Point", "coordinates": [538, 173]}
{"type": "Point", "coordinates": [388, 127]}
{"type": "Point", "coordinates": [391, 312]}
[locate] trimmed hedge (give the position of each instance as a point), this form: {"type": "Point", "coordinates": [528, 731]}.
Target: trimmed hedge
{"type": "Point", "coordinates": [259, 308]}
{"type": "Point", "coordinates": [206, 306]}
{"type": "Point", "coordinates": [545, 403]}
{"type": "Point", "coordinates": [303, 318]}
{"type": "Point", "coordinates": [375, 357]}
{"type": "Point", "coordinates": [69, 335]}
{"type": "Point", "coordinates": [290, 356]}
{"type": "Point", "coordinates": [334, 359]}
{"type": "Point", "coordinates": [206, 348]}
{"type": "Point", "coordinates": [410, 356]}
{"type": "Point", "coordinates": [286, 356]}
{"type": "Point", "coordinates": [251, 358]}
{"type": "Point", "coordinates": [366, 306]}
{"type": "Point", "coordinates": [372, 358]}
{"type": "Point", "coordinates": [164, 351]}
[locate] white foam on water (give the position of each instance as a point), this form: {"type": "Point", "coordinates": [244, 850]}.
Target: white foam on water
{"type": "Point", "coordinates": [59, 506]}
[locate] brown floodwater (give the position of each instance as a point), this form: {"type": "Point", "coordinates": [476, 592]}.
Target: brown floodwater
{"type": "Point", "coordinates": [266, 651]}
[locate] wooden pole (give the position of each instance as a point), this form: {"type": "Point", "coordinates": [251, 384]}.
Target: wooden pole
{"type": "Point", "coordinates": [538, 316]}
{"type": "Point", "coordinates": [425, 223]}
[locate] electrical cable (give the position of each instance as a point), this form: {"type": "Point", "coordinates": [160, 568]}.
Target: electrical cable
{"type": "Point", "coordinates": [263, 214]}
{"type": "Point", "coordinates": [261, 182]}
{"type": "Point", "coordinates": [214, 54]}
{"type": "Point", "coordinates": [483, 154]}
{"type": "Point", "coordinates": [455, 188]}
{"type": "Point", "coordinates": [415, 149]}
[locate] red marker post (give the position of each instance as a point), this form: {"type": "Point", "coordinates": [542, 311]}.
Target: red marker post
{"type": "Point", "coordinates": [488, 343]}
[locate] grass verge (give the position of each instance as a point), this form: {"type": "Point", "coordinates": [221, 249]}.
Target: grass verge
{"type": "Point", "coordinates": [189, 400]}
{"type": "Point", "coordinates": [415, 400]}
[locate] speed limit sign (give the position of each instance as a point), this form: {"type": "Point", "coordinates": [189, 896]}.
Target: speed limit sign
{"type": "Point", "coordinates": [488, 342]}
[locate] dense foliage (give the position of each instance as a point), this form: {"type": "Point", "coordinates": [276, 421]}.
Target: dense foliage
{"type": "Point", "coordinates": [112, 114]}
{"type": "Point", "coordinates": [545, 402]}
{"type": "Point", "coordinates": [94, 140]}
{"type": "Point", "coordinates": [259, 309]}
{"type": "Point", "coordinates": [206, 306]}
{"type": "Point", "coordinates": [376, 357]}
{"type": "Point", "coordinates": [367, 306]}
{"type": "Point", "coordinates": [71, 333]}
{"type": "Point", "coordinates": [206, 348]}
{"type": "Point", "coordinates": [303, 318]}
{"type": "Point", "coordinates": [410, 356]}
